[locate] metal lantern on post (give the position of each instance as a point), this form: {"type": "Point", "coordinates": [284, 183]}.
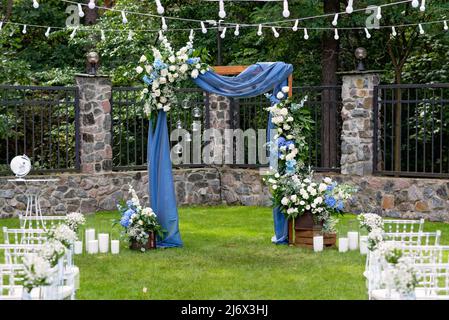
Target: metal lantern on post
{"type": "Point", "coordinates": [360, 54]}
{"type": "Point", "coordinates": [92, 59]}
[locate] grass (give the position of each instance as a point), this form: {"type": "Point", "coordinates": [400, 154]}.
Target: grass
{"type": "Point", "coordinates": [227, 254]}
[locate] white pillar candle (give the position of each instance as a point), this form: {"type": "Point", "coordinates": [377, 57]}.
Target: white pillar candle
{"type": "Point", "coordinates": [90, 235]}
{"type": "Point", "coordinates": [353, 238]}
{"type": "Point", "coordinates": [364, 245]}
{"type": "Point", "coordinates": [78, 247]}
{"type": "Point", "coordinates": [103, 240]}
{"type": "Point", "coordinates": [93, 247]}
{"type": "Point", "coordinates": [115, 246]}
{"type": "Point", "coordinates": [343, 244]}
{"type": "Point", "coordinates": [318, 243]}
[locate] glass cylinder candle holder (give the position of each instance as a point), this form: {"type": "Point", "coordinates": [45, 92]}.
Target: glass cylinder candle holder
{"type": "Point", "coordinates": [343, 244]}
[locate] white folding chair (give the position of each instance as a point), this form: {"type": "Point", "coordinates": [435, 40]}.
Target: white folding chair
{"type": "Point", "coordinates": [414, 238]}
{"type": "Point", "coordinates": [40, 222]}
{"type": "Point", "coordinates": [24, 236]}
{"type": "Point", "coordinates": [403, 226]}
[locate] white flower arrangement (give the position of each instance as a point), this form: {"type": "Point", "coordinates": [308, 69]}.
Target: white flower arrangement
{"type": "Point", "coordinates": [52, 251]}
{"type": "Point", "coordinates": [74, 220]}
{"type": "Point", "coordinates": [167, 69]}
{"type": "Point", "coordinates": [375, 236]}
{"type": "Point", "coordinates": [37, 271]}
{"type": "Point", "coordinates": [370, 221]}
{"type": "Point", "coordinates": [400, 277]}
{"type": "Point", "coordinates": [64, 234]}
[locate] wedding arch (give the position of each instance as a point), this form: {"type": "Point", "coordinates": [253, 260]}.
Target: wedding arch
{"type": "Point", "coordinates": [229, 81]}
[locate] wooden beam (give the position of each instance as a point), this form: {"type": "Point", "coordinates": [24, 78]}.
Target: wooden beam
{"type": "Point", "coordinates": [290, 85]}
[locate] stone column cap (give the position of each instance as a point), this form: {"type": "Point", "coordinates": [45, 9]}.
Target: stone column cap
{"type": "Point", "coordinates": [355, 72]}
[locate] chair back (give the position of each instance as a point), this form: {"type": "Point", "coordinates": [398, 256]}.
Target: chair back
{"type": "Point", "coordinates": [40, 222]}
{"type": "Point", "coordinates": [24, 236]}
{"type": "Point", "coordinates": [402, 226]}
{"type": "Point", "coordinates": [414, 238]}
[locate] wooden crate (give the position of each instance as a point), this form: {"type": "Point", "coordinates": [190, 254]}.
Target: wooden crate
{"type": "Point", "coordinates": [305, 230]}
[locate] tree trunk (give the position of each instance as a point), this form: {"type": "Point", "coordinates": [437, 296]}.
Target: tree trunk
{"type": "Point", "coordinates": [329, 63]}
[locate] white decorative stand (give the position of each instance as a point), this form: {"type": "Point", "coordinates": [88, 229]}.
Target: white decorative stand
{"type": "Point", "coordinates": [33, 194]}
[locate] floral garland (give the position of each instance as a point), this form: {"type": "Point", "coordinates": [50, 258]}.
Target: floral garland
{"type": "Point", "coordinates": [163, 75]}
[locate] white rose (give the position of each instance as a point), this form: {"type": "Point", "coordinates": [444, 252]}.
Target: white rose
{"type": "Point", "coordinates": [302, 203]}
{"type": "Point", "coordinates": [163, 99]}
{"type": "Point", "coordinates": [275, 187]}
{"type": "Point", "coordinates": [276, 175]}
{"type": "Point", "coordinates": [162, 80]}
{"type": "Point", "coordinates": [289, 119]}
{"type": "Point", "coordinates": [166, 108]}
{"type": "Point", "coordinates": [143, 59]}
{"type": "Point", "coordinates": [172, 68]}
{"type": "Point", "coordinates": [139, 69]}
{"type": "Point", "coordinates": [327, 180]}
{"type": "Point", "coordinates": [289, 137]}
{"type": "Point", "coordinates": [184, 68]}
{"type": "Point", "coordinates": [145, 91]}
{"type": "Point", "coordinates": [307, 207]}
{"type": "Point", "coordinates": [286, 127]}
{"type": "Point", "coordinates": [172, 59]}
{"type": "Point", "coordinates": [280, 95]}
{"type": "Point", "coordinates": [280, 130]}
{"type": "Point", "coordinates": [195, 73]}
{"type": "Point", "coordinates": [284, 201]}
{"type": "Point", "coordinates": [148, 68]}
{"type": "Point", "coordinates": [164, 72]}
{"type": "Point", "coordinates": [140, 222]}
{"type": "Point", "coordinates": [286, 89]}
{"type": "Point", "coordinates": [294, 198]}
{"type": "Point", "coordinates": [322, 187]}
{"type": "Point", "coordinates": [157, 93]}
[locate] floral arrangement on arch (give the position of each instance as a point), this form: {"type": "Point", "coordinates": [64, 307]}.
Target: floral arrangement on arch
{"type": "Point", "coordinates": [164, 71]}
{"type": "Point", "coordinates": [374, 224]}
{"type": "Point", "coordinates": [138, 222]}
{"type": "Point", "coordinates": [293, 186]}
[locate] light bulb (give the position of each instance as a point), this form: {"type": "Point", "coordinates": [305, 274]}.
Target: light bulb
{"type": "Point", "coordinates": [421, 29]}
{"type": "Point", "coordinates": [161, 36]}
{"type": "Point", "coordinates": [221, 12]}
{"type": "Point", "coordinates": [275, 33]}
{"type": "Point", "coordinates": [236, 32]}
{"type": "Point", "coordinates": [445, 27]}
{"type": "Point", "coordinates": [47, 33]}
{"type": "Point", "coordinates": [349, 8]}
{"type": "Point", "coordinates": [203, 27]}
{"type": "Point", "coordinates": [415, 3]}
{"type": "Point", "coordinates": [1, 25]}
{"type": "Point", "coordinates": [35, 4]}
{"type": "Point", "coordinates": [11, 33]}
{"type": "Point", "coordinates": [80, 10]}
{"type": "Point", "coordinates": [124, 19]}
{"type": "Point", "coordinates": [130, 35]}
{"type": "Point", "coordinates": [393, 32]}
{"type": "Point", "coordinates": [306, 35]}
{"type": "Point", "coordinates": [91, 4]}
{"type": "Point", "coordinates": [24, 30]}
{"type": "Point", "coordinates": [379, 13]}
{"type": "Point", "coordinates": [286, 12]}
{"type": "Point", "coordinates": [103, 37]}
{"type": "Point", "coordinates": [423, 6]}
{"type": "Point", "coordinates": [164, 24]}
{"type": "Point", "coordinates": [335, 21]}
{"type": "Point", "coordinates": [223, 33]}
{"type": "Point", "coordinates": [368, 35]}
{"type": "Point", "coordinates": [191, 35]}
{"type": "Point", "coordinates": [259, 31]}
{"type": "Point", "coordinates": [336, 36]}
{"type": "Point", "coordinates": [295, 27]}
{"type": "Point", "coordinates": [160, 8]}
{"type": "Point", "coordinates": [72, 35]}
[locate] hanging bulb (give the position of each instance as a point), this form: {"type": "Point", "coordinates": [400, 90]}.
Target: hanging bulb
{"type": "Point", "coordinates": [164, 24]}
{"type": "Point", "coordinates": [223, 33]}
{"type": "Point", "coordinates": [160, 8]}
{"type": "Point", "coordinates": [295, 27]}
{"type": "Point", "coordinates": [103, 37]}
{"type": "Point", "coordinates": [203, 27]}
{"type": "Point", "coordinates": [276, 34]}
{"type": "Point", "coordinates": [237, 32]}
{"type": "Point", "coordinates": [1, 25]}
{"type": "Point", "coordinates": [336, 36]}
{"type": "Point", "coordinates": [421, 29]}
{"type": "Point", "coordinates": [335, 21]}
{"type": "Point", "coordinates": [11, 33]}
{"type": "Point", "coordinates": [368, 35]}
{"type": "Point", "coordinates": [349, 8]}
{"type": "Point", "coordinates": [35, 4]}
{"type": "Point", "coordinates": [191, 35]}
{"type": "Point", "coordinates": [445, 27]}
{"type": "Point", "coordinates": [423, 6]}
{"type": "Point", "coordinates": [415, 3]}
{"type": "Point", "coordinates": [379, 13]}
{"type": "Point", "coordinates": [130, 35]}
{"type": "Point", "coordinates": [80, 10]}
{"type": "Point", "coordinates": [72, 35]}
{"type": "Point", "coordinates": [306, 35]}
{"type": "Point", "coordinates": [24, 30]}
{"type": "Point", "coordinates": [393, 32]}
{"type": "Point", "coordinates": [286, 12]}
{"type": "Point", "coordinates": [91, 4]}
{"type": "Point", "coordinates": [221, 12]}
{"type": "Point", "coordinates": [124, 19]}
{"type": "Point", "coordinates": [161, 36]}
{"type": "Point", "coordinates": [259, 32]}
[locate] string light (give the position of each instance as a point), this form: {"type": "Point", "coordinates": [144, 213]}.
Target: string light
{"type": "Point", "coordinates": [12, 32]}
{"type": "Point", "coordinates": [349, 8]}
{"type": "Point", "coordinates": [275, 33]}
{"type": "Point", "coordinates": [421, 29]}
{"type": "Point", "coordinates": [72, 35]}
{"type": "Point", "coordinates": [445, 27]}
{"type": "Point", "coordinates": [164, 24]}
{"type": "Point", "coordinates": [1, 25]}
{"type": "Point", "coordinates": [103, 37]}
{"type": "Point", "coordinates": [368, 35]}
{"type": "Point", "coordinates": [130, 35]}
{"type": "Point", "coordinates": [221, 12]}
{"type": "Point", "coordinates": [223, 33]}
{"type": "Point", "coordinates": [286, 12]}
{"type": "Point", "coordinates": [306, 35]}
{"type": "Point", "coordinates": [124, 19]}
{"type": "Point", "coordinates": [203, 27]}
{"type": "Point", "coordinates": [191, 35]}
{"type": "Point", "coordinates": [91, 4]}
{"type": "Point", "coordinates": [259, 32]}
{"type": "Point", "coordinates": [295, 27]}
{"type": "Point", "coordinates": [24, 30]}
{"type": "Point", "coordinates": [423, 6]}
{"type": "Point", "coordinates": [393, 32]}
{"type": "Point", "coordinates": [415, 3]}
{"type": "Point", "coordinates": [47, 33]}
{"type": "Point", "coordinates": [161, 36]}
{"type": "Point", "coordinates": [336, 36]}
{"type": "Point", "coordinates": [160, 8]}
{"type": "Point", "coordinates": [335, 21]}
{"type": "Point", "coordinates": [80, 10]}
{"type": "Point", "coordinates": [35, 4]}
{"type": "Point", "coordinates": [236, 32]}
{"type": "Point", "coordinates": [379, 13]}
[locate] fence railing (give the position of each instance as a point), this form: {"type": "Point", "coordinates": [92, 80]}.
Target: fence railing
{"type": "Point", "coordinates": [411, 134]}
{"type": "Point", "coordinates": [41, 122]}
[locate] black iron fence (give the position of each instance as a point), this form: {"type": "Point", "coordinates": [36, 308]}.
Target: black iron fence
{"type": "Point", "coordinates": [411, 134]}
{"type": "Point", "coordinates": [41, 122]}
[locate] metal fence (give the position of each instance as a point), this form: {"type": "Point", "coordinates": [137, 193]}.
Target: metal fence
{"type": "Point", "coordinates": [41, 122]}
{"type": "Point", "coordinates": [411, 134]}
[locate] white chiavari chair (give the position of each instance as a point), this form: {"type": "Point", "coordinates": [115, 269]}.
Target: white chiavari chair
{"type": "Point", "coordinates": [39, 222]}
{"type": "Point", "coordinates": [403, 226]}
{"type": "Point", "coordinates": [413, 238]}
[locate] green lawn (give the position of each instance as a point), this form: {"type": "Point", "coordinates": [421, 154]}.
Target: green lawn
{"type": "Point", "coordinates": [227, 254]}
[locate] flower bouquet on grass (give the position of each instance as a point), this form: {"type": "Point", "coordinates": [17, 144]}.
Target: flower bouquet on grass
{"type": "Point", "coordinates": [140, 224]}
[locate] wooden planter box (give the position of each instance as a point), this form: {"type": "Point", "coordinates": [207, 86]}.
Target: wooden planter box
{"type": "Point", "coordinates": [305, 230]}
{"type": "Point", "coordinates": [151, 244]}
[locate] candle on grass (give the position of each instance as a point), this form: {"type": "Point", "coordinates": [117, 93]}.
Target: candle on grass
{"type": "Point", "coordinates": [343, 244]}
{"type": "Point", "coordinates": [103, 239]}
{"type": "Point", "coordinates": [353, 238]}
{"type": "Point", "coordinates": [364, 245]}
{"type": "Point", "coordinates": [115, 246]}
{"type": "Point", "coordinates": [90, 235]}
{"type": "Point", "coordinates": [78, 247]}
{"type": "Point", "coordinates": [318, 243]}
{"type": "Point", "coordinates": [93, 246]}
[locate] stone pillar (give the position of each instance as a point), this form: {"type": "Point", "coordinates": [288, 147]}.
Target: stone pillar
{"type": "Point", "coordinates": [357, 116]}
{"type": "Point", "coordinates": [95, 123]}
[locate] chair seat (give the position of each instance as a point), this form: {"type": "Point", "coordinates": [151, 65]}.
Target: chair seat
{"type": "Point", "coordinates": [17, 292]}
{"type": "Point", "coordinates": [421, 294]}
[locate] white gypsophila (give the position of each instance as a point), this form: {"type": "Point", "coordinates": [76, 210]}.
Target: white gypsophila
{"type": "Point", "coordinates": [400, 277]}
{"type": "Point", "coordinates": [370, 221]}
{"type": "Point", "coordinates": [64, 234]}
{"type": "Point", "coordinates": [37, 271]}
{"type": "Point", "coordinates": [52, 250]}
{"type": "Point", "coordinates": [74, 220]}
{"type": "Point", "coordinates": [374, 238]}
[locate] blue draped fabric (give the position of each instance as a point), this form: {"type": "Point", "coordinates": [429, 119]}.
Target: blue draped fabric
{"type": "Point", "coordinates": [160, 182]}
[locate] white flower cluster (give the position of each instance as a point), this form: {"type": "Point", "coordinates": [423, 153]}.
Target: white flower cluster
{"type": "Point", "coordinates": [168, 68]}
{"type": "Point", "coordinates": [134, 197]}
{"type": "Point", "coordinates": [74, 220]}
{"type": "Point", "coordinates": [370, 221]}
{"type": "Point", "coordinates": [400, 277]}
{"type": "Point", "coordinates": [52, 251]}
{"type": "Point", "coordinates": [37, 271]}
{"type": "Point", "coordinates": [64, 234]}
{"type": "Point", "coordinates": [375, 236]}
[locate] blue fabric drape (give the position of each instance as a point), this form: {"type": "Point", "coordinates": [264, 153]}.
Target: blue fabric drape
{"type": "Point", "coordinates": [160, 182]}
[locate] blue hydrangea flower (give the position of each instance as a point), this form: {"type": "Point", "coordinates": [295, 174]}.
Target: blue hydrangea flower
{"type": "Point", "coordinates": [340, 205]}
{"type": "Point", "coordinates": [331, 187]}
{"type": "Point", "coordinates": [291, 166]}
{"type": "Point", "coordinates": [124, 221]}
{"type": "Point", "coordinates": [147, 80]}
{"type": "Point", "coordinates": [193, 60]}
{"type": "Point", "coordinates": [158, 64]}
{"type": "Point", "coordinates": [281, 141]}
{"type": "Point", "coordinates": [288, 143]}
{"type": "Point", "coordinates": [330, 201]}
{"type": "Point", "coordinates": [129, 203]}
